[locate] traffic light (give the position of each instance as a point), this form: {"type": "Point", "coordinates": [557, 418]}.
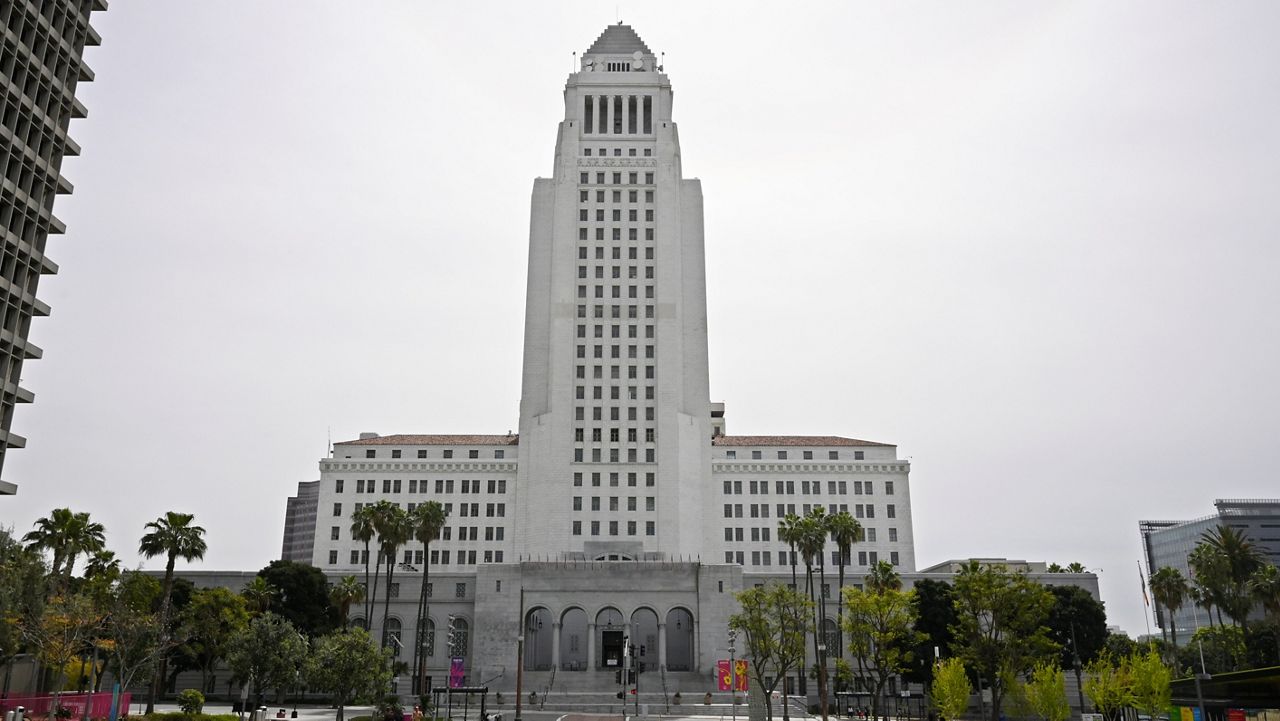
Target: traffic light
{"type": "Point", "coordinates": [642, 649]}
{"type": "Point", "coordinates": [617, 678]}
{"type": "Point", "coordinates": [619, 694]}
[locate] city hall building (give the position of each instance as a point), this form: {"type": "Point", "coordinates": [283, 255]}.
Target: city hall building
{"type": "Point", "coordinates": [623, 508]}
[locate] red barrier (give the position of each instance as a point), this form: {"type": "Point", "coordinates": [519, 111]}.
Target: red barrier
{"type": "Point", "coordinates": [99, 704]}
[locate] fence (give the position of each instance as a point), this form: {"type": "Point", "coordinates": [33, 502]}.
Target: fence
{"type": "Point", "coordinates": [99, 704]}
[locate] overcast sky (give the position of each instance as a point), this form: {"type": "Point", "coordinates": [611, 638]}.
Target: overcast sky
{"type": "Point", "coordinates": [1033, 244]}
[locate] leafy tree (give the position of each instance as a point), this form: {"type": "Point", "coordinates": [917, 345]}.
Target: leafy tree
{"type": "Point", "coordinates": [61, 631]}
{"type": "Point", "coordinates": [1264, 586]}
{"type": "Point", "coordinates": [1150, 681]}
{"type": "Point", "coordinates": [1169, 588]}
{"type": "Point", "coordinates": [135, 638]}
{"type": "Point", "coordinates": [773, 619]}
{"type": "Point", "coordinates": [258, 595]}
{"type": "Point", "coordinates": [949, 693]}
{"type": "Point", "coordinates": [935, 612]}
{"type": "Point", "coordinates": [880, 635]}
{"type": "Point", "coordinates": [883, 578]}
{"type": "Point", "coordinates": [1045, 693]}
{"type": "Point", "coordinates": [173, 536]}
{"type": "Point", "coordinates": [1119, 645]}
{"type": "Point", "coordinates": [209, 621]}
{"type": "Point", "coordinates": [1000, 625]}
{"type": "Point", "coordinates": [1076, 617]}
{"type": "Point", "coordinates": [1108, 685]}
{"type": "Point", "coordinates": [65, 535]}
{"type": "Point", "coordinates": [845, 531]}
{"type": "Point", "coordinates": [22, 592]}
{"type": "Point", "coordinates": [344, 593]}
{"type": "Point", "coordinates": [362, 529]}
{"type": "Point", "coordinates": [303, 596]}
{"type": "Point", "coordinates": [1222, 647]}
{"type": "Point", "coordinates": [426, 521]}
{"type": "Point", "coordinates": [350, 666]}
{"type": "Point", "coordinates": [268, 653]}
{"type": "Point", "coordinates": [1238, 558]}
{"type": "Point", "coordinates": [394, 531]}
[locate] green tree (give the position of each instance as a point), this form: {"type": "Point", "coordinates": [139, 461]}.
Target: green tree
{"type": "Point", "coordinates": [61, 631]}
{"type": "Point", "coordinates": [1150, 681]}
{"type": "Point", "coordinates": [394, 531]}
{"type": "Point", "coordinates": [845, 531]}
{"type": "Point", "coordinates": [935, 612]}
{"type": "Point", "coordinates": [1000, 627]}
{"type": "Point", "coordinates": [1239, 558]}
{"type": "Point", "coordinates": [879, 628]}
{"type": "Point", "coordinates": [1119, 645]}
{"type": "Point", "coordinates": [1108, 685]}
{"type": "Point", "coordinates": [1209, 569]}
{"type": "Point", "coordinates": [22, 592]}
{"type": "Point", "coordinates": [1222, 648]}
{"type": "Point", "coordinates": [267, 654]}
{"type": "Point", "coordinates": [789, 531]}
{"type": "Point", "coordinates": [303, 598]}
{"type": "Point", "coordinates": [173, 536]}
{"type": "Point", "coordinates": [209, 621]}
{"type": "Point", "coordinates": [259, 595]}
{"type": "Point", "coordinates": [134, 640]}
{"type": "Point", "coordinates": [883, 578]}
{"type": "Point", "coordinates": [65, 535]}
{"type": "Point", "coordinates": [812, 542]}
{"type": "Point", "coordinates": [949, 693]}
{"type": "Point", "coordinates": [1169, 589]}
{"type": "Point", "coordinates": [425, 522]}
{"type": "Point", "coordinates": [1264, 586]}
{"type": "Point", "coordinates": [362, 530]}
{"type": "Point", "coordinates": [1077, 624]}
{"type": "Point", "coordinates": [773, 618]}
{"type": "Point", "coordinates": [348, 665]}
{"type": "Point", "coordinates": [344, 594]}
{"type": "Point", "coordinates": [1045, 692]}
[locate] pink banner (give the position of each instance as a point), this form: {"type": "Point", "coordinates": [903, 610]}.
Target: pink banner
{"type": "Point", "coordinates": [99, 703]}
{"type": "Point", "coordinates": [456, 673]}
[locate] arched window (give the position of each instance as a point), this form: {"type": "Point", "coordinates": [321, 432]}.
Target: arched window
{"type": "Point", "coordinates": [459, 638]}
{"type": "Point", "coordinates": [428, 638]}
{"type": "Point", "coordinates": [391, 636]}
{"type": "Point", "coordinates": [358, 622]}
{"type": "Point", "coordinates": [679, 640]}
{"type": "Point", "coordinates": [831, 637]}
{"type": "Point", "coordinates": [573, 640]}
{"type": "Point", "coordinates": [538, 631]}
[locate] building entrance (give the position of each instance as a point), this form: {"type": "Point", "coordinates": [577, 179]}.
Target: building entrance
{"type": "Point", "coordinates": [611, 649]}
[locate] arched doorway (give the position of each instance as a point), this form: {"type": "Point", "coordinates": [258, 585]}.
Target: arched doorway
{"type": "Point", "coordinates": [573, 640]}
{"type": "Point", "coordinates": [644, 635]}
{"type": "Point", "coordinates": [831, 637]}
{"type": "Point", "coordinates": [538, 632]}
{"type": "Point", "coordinates": [679, 640]}
{"type": "Point", "coordinates": [611, 629]}
{"type": "Point", "coordinates": [391, 636]}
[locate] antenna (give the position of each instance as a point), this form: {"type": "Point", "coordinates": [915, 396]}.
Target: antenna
{"type": "Point", "coordinates": [574, 67]}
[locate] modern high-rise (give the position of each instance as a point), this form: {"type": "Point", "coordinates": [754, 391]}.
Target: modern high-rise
{"type": "Point", "coordinates": [622, 506]}
{"type": "Point", "coordinates": [41, 62]}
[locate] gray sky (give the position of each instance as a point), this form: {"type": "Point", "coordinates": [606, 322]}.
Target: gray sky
{"type": "Point", "coordinates": [1033, 244]}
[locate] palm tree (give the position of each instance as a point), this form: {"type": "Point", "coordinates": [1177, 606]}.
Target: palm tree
{"type": "Point", "coordinates": [883, 578]}
{"type": "Point", "coordinates": [845, 531]}
{"type": "Point", "coordinates": [1264, 585]}
{"type": "Point", "coordinates": [393, 532]}
{"type": "Point", "coordinates": [426, 522]}
{"type": "Point", "coordinates": [1169, 588]}
{"type": "Point", "coordinates": [362, 530]}
{"type": "Point", "coordinates": [344, 593]}
{"type": "Point", "coordinates": [66, 535]}
{"type": "Point", "coordinates": [172, 536]}
{"type": "Point", "coordinates": [811, 544]}
{"type": "Point", "coordinates": [789, 533]}
{"type": "Point", "coordinates": [1075, 567]}
{"type": "Point", "coordinates": [258, 595]}
{"type": "Point", "coordinates": [1240, 558]}
{"type": "Point", "coordinates": [103, 565]}
{"type": "Point", "coordinates": [1209, 573]}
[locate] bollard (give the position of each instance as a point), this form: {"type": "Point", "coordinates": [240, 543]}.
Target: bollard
{"type": "Point", "coordinates": [22, 710]}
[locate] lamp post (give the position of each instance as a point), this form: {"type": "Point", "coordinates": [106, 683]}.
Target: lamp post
{"type": "Point", "coordinates": [733, 672]}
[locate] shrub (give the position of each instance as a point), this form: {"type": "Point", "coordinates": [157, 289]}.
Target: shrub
{"type": "Point", "coordinates": [191, 701]}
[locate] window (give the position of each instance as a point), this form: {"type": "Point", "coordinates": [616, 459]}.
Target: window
{"type": "Point", "coordinates": [808, 455]}
{"type": "Point", "coordinates": [355, 557]}
{"type": "Point", "coordinates": [871, 535]}
{"type": "Point", "coordinates": [893, 557]}
{"type": "Point", "coordinates": [395, 453]}
{"type": "Point", "coordinates": [756, 455]}
{"type": "Point", "coordinates": [334, 533]}
{"type": "Point", "coordinates": [473, 454]}
{"type": "Point", "coordinates": [577, 528]}
{"type": "Point", "coordinates": [371, 453]}
{"type": "Point", "coordinates": [893, 535]}
{"type": "Point", "coordinates": [782, 455]}
{"type": "Point", "coordinates": [888, 488]}
{"type": "Point", "coordinates": [890, 511]}
{"type": "Point", "coordinates": [448, 453]}
{"type": "Point", "coordinates": [459, 590]}
{"type": "Point", "coordinates": [333, 558]}
{"type": "Point", "coordinates": [730, 454]}
{"type": "Point", "coordinates": [650, 528]}
{"type": "Point", "coordinates": [337, 509]}
{"type": "Point", "coordinates": [595, 528]}
{"type": "Point", "coordinates": [858, 455]}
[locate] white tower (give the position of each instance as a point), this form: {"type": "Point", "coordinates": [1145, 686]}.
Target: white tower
{"type": "Point", "coordinates": [615, 409]}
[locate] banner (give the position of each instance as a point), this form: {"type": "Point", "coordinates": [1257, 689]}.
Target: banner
{"type": "Point", "coordinates": [456, 673]}
{"type": "Point", "coordinates": [739, 676]}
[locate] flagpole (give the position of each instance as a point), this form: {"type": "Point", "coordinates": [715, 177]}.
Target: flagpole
{"type": "Point", "coordinates": [1146, 616]}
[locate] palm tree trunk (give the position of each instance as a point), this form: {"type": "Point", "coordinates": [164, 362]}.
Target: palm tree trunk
{"type": "Point", "coordinates": [420, 627]}
{"type": "Point", "coordinates": [822, 613]}
{"type": "Point", "coordinates": [164, 632]}
{"type": "Point", "coordinates": [368, 611]}
{"type": "Point", "coordinates": [840, 607]}
{"type": "Point", "coordinates": [817, 658]}
{"type": "Point", "coordinates": [386, 601]}
{"type": "Point", "coordinates": [373, 595]}
{"type": "Point", "coordinates": [800, 678]}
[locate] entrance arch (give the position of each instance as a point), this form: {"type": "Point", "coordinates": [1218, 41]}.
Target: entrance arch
{"type": "Point", "coordinates": [679, 640]}
{"type": "Point", "coordinates": [611, 629]}
{"type": "Point", "coordinates": [573, 640]}
{"type": "Point", "coordinates": [539, 638]}
{"type": "Point", "coordinates": [644, 635]}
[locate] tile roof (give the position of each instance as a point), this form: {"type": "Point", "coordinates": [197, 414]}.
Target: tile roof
{"type": "Point", "coordinates": [618, 40]}
{"type": "Point", "coordinates": [815, 441]}
{"type": "Point", "coordinates": [435, 440]}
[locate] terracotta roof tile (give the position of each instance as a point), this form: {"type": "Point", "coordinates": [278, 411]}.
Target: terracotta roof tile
{"type": "Point", "coordinates": [435, 440]}
{"type": "Point", "coordinates": [816, 441]}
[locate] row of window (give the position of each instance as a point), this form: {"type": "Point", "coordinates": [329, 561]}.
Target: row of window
{"type": "Point", "coordinates": [632, 502]}
{"type": "Point", "coordinates": [765, 558]}
{"type": "Point", "coordinates": [632, 179]}
{"type": "Point", "coordinates": [615, 436]}
{"type": "Point", "coordinates": [614, 478]}
{"type": "Point", "coordinates": [616, 234]}
{"type": "Point", "coordinates": [615, 455]}
{"type": "Point", "coordinates": [615, 372]}
{"type": "Point", "coordinates": [806, 488]}
{"type": "Point", "coordinates": [492, 510]}
{"type": "Point", "coordinates": [617, 152]}
{"type": "Point", "coordinates": [499, 453]}
{"type": "Point", "coordinates": [806, 455]}
{"type": "Point", "coordinates": [633, 215]}
{"type": "Point", "coordinates": [613, 527]}
{"type": "Point", "coordinates": [860, 510]}
{"type": "Point", "coordinates": [633, 196]}
{"type": "Point", "coordinates": [394, 485]}
{"type": "Point", "coordinates": [738, 535]}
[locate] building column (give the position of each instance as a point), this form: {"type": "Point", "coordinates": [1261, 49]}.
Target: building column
{"type": "Point", "coordinates": [662, 644]}
{"type": "Point", "coordinates": [695, 661]}
{"type": "Point", "coordinates": [602, 113]}
{"type": "Point", "coordinates": [608, 99]}
{"type": "Point", "coordinates": [555, 645]}
{"type": "Point", "coordinates": [626, 113]}
{"type": "Point", "coordinates": [591, 647]}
